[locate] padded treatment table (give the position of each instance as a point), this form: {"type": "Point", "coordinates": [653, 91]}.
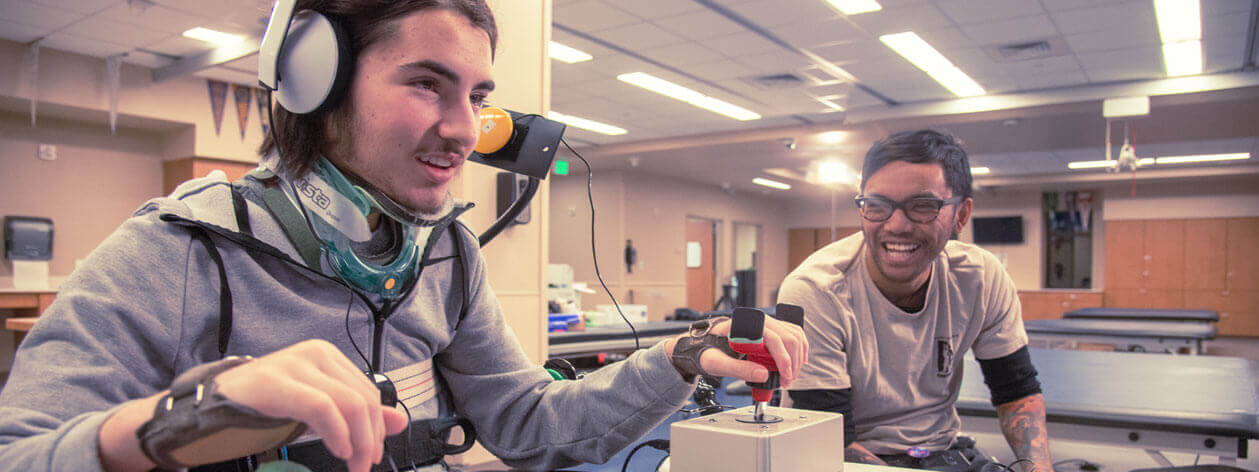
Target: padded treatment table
{"type": "Point", "coordinates": [1132, 335]}
{"type": "Point", "coordinates": [1200, 405]}
{"type": "Point", "coordinates": [1143, 314]}
{"type": "Point", "coordinates": [612, 338]}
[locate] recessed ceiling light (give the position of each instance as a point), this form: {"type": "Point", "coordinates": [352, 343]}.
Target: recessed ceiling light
{"type": "Point", "coordinates": [927, 58]}
{"type": "Point", "coordinates": [567, 54]}
{"type": "Point", "coordinates": [586, 124]}
{"type": "Point", "coordinates": [210, 36]}
{"type": "Point", "coordinates": [771, 183]}
{"type": "Point", "coordinates": [856, 7]}
{"type": "Point", "coordinates": [678, 92]}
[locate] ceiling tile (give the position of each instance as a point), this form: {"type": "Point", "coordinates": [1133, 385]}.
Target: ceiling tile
{"type": "Point", "coordinates": [652, 9]}
{"type": "Point", "coordinates": [682, 54]}
{"type": "Point", "coordinates": [945, 39]}
{"type": "Point", "coordinates": [965, 12]}
{"type": "Point", "coordinates": [1223, 53]}
{"type": "Point", "coordinates": [811, 33]}
{"type": "Point", "coordinates": [719, 70]}
{"type": "Point", "coordinates": [1006, 31]}
{"type": "Point", "coordinates": [778, 13]}
{"type": "Point", "coordinates": [21, 11]}
{"type": "Point", "coordinates": [638, 36]}
{"type": "Point", "coordinates": [21, 32]}
{"type": "Point", "coordinates": [1059, 5]}
{"type": "Point", "coordinates": [739, 44]}
{"type": "Point", "coordinates": [1125, 64]}
{"type": "Point", "coordinates": [698, 25]}
{"type": "Point", "coordinates": [592, 15]}
{"type": "Point", "coordinates": [81, 6]}
{"type": "Point", "coordinates": [157, 17]}
{"type": "Point", "coordinates": [176, 45]}
{"type": "Point", "coordinates": [855, 51]}
{"type": "Point", "coordinates": [889, 20]}
{"type": "Point", "coordinates": [1109, 39]}
{"type": "Point", "coordinates": [132, 36]}
{"type": "Point", "coordinates": [84, 46]}
{"type": "Point", "coordinates": [1133, 17]}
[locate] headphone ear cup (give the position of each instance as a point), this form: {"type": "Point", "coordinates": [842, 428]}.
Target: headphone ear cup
{"type": "Point", "coordinates": [314, 66]}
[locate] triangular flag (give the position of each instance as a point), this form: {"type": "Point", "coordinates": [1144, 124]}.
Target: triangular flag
{"type": "Point", "coordinates": [243, 96]}
{"type": "Point", "coordinates": [218, 100]}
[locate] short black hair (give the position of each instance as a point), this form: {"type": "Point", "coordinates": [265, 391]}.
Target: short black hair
{"type": "Point", "coordinates": [923, 146]}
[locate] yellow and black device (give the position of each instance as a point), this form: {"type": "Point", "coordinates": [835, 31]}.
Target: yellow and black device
{"type": "Point", "coordinates": [517, 142]}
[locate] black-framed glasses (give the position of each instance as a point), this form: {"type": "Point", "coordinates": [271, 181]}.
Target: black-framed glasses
{"type": "Point", "coordinates": [918, 209]}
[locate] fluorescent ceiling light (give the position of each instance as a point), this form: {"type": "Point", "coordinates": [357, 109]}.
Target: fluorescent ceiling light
{"type": "Point", "coordinates": [771, 183]}
{"type": "Point", "coordinates": [678, 92]}
{"type": "Point", "coordinates": [1183, 58]}
{"type": "Point", "coordinates": [927, 58]}
{"type": "Point", "coordinates": [1179, 20]}
{"type": "Point", "coordinates": [211, 36]}
{"type": "Point", "coordinates": [856, 7]}
{"type": "Point", "coordinates": [1145, 161]}
{"type": "Point", "coordinates": [590, 125]}
{"type": "Point", "coordinates": [567, 54]}
{"type": "Point", "coordinates": [980, 171]}
{"type": "Point", "coordinates": [1203, 158]}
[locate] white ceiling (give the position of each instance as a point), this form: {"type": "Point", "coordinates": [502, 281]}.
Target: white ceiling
{"type": "Point", "coordinates": [719, 47]}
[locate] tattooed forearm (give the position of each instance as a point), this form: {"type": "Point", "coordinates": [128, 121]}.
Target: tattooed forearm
{"type": "Point", "coordinates": [858, 453]}
{"type": "Point", "coordinates": [1023, 423]}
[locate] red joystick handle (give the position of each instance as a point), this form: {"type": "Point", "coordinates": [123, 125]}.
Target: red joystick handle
{"type": "Point", "coordinates": [756, 352]}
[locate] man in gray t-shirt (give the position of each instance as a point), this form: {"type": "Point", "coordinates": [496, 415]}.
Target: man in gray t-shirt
{"type": "Point", "coordinates": [893, 309]}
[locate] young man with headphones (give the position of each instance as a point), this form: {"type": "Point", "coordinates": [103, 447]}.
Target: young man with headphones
{"type": "Point", "coordinates": [238, 318]}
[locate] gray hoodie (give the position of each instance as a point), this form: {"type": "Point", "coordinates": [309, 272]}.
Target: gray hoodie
{"type": "Point", "coordinates": [144, 307]}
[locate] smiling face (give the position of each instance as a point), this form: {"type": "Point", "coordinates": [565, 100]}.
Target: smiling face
{"type": "Point", "coordinates": [410, 119]}
{"type": "Point", "coordinates": [900, 251]}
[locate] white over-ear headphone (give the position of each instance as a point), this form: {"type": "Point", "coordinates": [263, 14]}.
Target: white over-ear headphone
{"type": "Point", "coordinates": [305, 58]}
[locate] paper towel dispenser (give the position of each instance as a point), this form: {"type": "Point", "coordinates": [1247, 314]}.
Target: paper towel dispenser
{"type": "Point", "coordinates": [27, 238]}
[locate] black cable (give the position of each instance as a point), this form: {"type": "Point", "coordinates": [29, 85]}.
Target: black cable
{"type": "Point", "coordinates": [590, 196]}
{"type": "Point", "coordinates": [661, 444]}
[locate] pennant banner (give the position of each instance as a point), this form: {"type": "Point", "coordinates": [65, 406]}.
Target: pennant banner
{"type": "Point", "coordinates": [243, 96]}
{"type": "Point", "coordinates": [264, 118]}
{"type": "Point", "coordinates": [218, 101]}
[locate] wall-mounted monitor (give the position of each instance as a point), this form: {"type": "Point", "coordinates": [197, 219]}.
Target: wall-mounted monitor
{"type": "Point", "coordinates": [998, 229]}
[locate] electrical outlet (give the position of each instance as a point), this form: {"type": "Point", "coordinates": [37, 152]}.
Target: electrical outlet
{"type": "Point", "coordinates": [47, 152]}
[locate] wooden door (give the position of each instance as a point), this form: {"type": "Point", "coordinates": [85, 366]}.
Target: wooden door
{"type": "Point", "coordinates": [1243, 252]}
{"type": "Point", "coordinates": [1125, 254]}
{"type": "Point", "coordinates": [700, 281]}
{"type": "Point", "coordinates": [1205, 262]}
{"type": "Point", "coordinates": [800, 244]}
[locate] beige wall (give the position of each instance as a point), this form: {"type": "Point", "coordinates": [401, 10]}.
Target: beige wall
{"type": "Point", "coordinates": [652, 211]}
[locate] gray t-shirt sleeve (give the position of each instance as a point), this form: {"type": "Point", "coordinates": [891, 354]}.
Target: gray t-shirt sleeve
{"type": "Point", "coordinates": [534, 423]}
{"type": "Point", "coordinates": [824, 327]}
{"type": "Point", "coordinates": [1002, 332]}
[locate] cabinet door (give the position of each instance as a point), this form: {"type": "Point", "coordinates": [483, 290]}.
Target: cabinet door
{"type": "Point", "coordinates": [1164, 254]}
{"type": "Point", "coordinates": [1243, 254]}
{"type": "Point", "coordinates": [1206, 256]}
{"type": "Point", "coordinates": [1144, 298]}
{"type": "Point", "coordinates": [1125, 254]}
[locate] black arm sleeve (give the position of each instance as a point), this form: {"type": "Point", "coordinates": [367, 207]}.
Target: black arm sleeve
{"type": "Point", "coordinates": [834, 401]}
{"type": "Point", "coordinates": [1011, 377]}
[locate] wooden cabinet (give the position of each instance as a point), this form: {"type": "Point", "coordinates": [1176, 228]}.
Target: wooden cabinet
{"type": "Point", "coordinates": [1051, 304]}
{"type": "Point", "coordinates": [803, 242]}
{"type": "Point", "coordinates": [181, 170]}
{"type": "Point", "coordinates": [1206, 263]}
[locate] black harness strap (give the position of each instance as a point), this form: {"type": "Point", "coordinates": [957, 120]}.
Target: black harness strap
{"type": "Point", "coordinates": [225, 291]}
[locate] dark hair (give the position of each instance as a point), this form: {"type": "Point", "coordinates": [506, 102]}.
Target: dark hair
{"type": "Point", "coordinates": [922, 146]}
{"type": "Point", "coordinates": [365, 22]}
